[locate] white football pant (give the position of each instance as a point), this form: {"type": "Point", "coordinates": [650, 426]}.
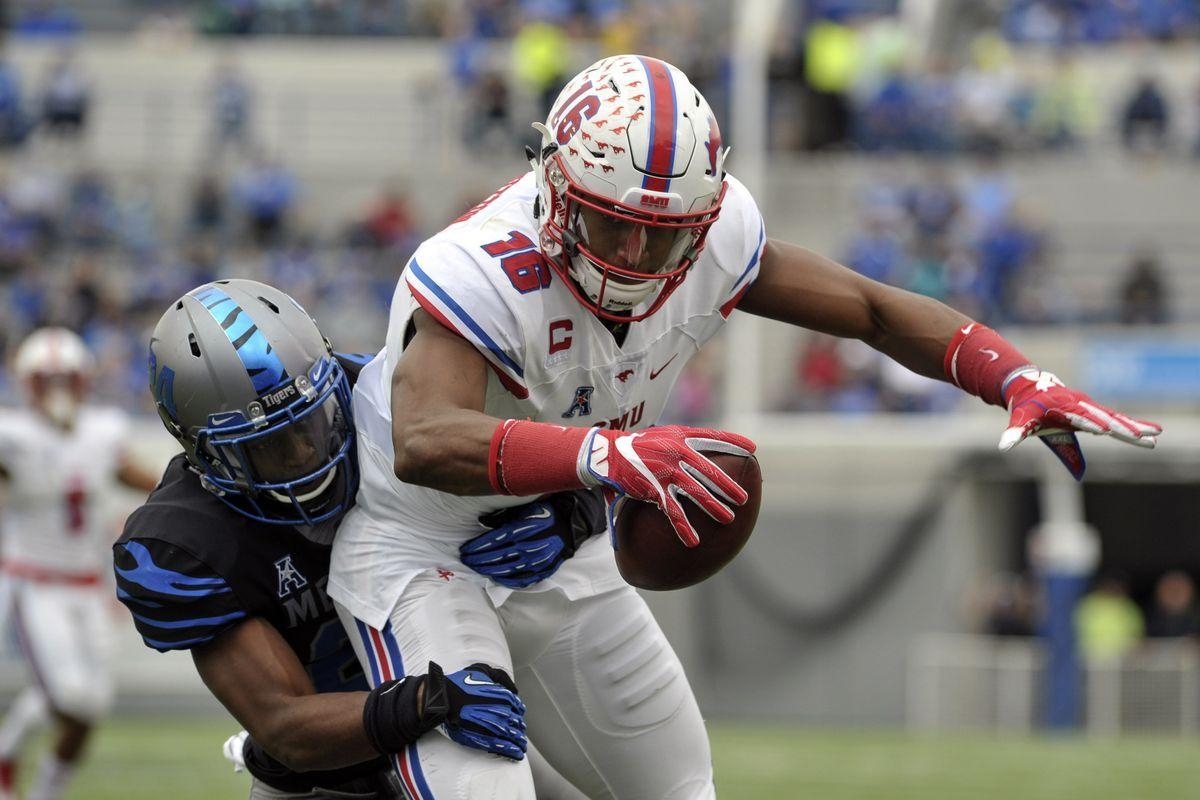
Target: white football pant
{"type": "Point", "coordinates": [608, 704]}
{"type": "Point", "coordinates": [64, 633]}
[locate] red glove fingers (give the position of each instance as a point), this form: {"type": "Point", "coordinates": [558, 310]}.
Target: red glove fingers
{"type": "Point", "coordinates": [661, 464]}
{"type": "Point", "coordinates": [657, 465]}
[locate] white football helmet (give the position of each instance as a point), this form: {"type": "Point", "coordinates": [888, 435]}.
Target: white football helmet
{"type": "Point", "coordinates": [55, 369]}
{"type": "Point", "coordinates": [630, 178]}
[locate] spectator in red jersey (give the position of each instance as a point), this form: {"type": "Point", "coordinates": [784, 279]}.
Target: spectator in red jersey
{"type": "Point", "coordinates": [390, 224]}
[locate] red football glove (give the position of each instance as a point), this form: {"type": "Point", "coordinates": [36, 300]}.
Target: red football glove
{"type": "Point", "coordinates": [1040, 404]}
{"type": "Point", "coordinates": [658, 465]}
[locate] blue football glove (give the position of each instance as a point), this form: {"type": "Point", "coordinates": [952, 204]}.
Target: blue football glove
{"type": "Point", "coordinates": [481, 709]}
{"type": "Point", "coordinates": [529, 543]}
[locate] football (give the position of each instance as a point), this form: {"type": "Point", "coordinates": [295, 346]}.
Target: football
{"type": "Point", "coordinates": [650, 555]}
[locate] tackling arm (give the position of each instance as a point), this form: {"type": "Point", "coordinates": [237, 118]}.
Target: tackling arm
{"type": "Point", "coordinates": [255, 675]}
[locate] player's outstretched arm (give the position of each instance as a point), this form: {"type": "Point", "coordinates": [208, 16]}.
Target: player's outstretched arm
{"type": "Point", "coordinates": [801, 287]}
{"type": "Point", "coordinates": [798, 286]}
{"type": "Point", "coordinates": [443, 440]}
{"type": "Point", "coordinates": [257, 677]}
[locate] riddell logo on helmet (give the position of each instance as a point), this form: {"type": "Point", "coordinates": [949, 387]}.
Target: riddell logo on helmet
{"type": "Point", "coordinates": [655, 202]}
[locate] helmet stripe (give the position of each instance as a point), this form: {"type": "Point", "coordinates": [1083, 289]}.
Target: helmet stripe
{"type": "Point", "coordinates": [263, 366]}
{"type": "Point", "coordinates": [663, 112]}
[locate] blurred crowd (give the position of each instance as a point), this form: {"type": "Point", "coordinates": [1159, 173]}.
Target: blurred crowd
{"type": "Point", "coordinates": [972, 242]}
{"type": "Point", "coordinates": [1027, 21]}
{"type": "Point", "coordinates": [488, 19]}
{"type": "Point", "coordinates": [862, 84]}
{"type": "Point", "coordinates": [1109, 622]}
{"type": "Point", "coordinates": [844, 73]}
{"type": "Point", "coordinates": [102, 253]}
{"type": "Point", "coordinates": [82, 250]}
{"type": "Point", "coordinates": [97, 251]}
{"type": "Point", "coordinates": [1060, 22]}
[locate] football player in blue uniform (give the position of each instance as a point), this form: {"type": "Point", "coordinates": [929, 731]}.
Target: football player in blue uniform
{"type": "Point", "coordinates": [229, 556]}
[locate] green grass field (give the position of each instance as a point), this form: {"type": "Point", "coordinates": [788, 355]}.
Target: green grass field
{"type": "Point", "coordinates": [140, 759]}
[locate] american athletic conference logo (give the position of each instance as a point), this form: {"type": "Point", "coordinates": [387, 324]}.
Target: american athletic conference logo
{"type": "Point", "coordinates": [582, 404]}
{"type": "Point", "coordinates": [290, 578]}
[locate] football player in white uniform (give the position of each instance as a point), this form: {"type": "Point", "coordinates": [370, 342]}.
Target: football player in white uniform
{"type": "Point", "coordinates": [58, 456]}
{"type": "Point", "coordinates": [532, 345]}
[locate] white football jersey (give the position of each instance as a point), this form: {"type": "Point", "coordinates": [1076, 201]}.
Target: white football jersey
{"type": "Point", "coordinates": [551, 360]}
{"type": "Point", "coordinates": [52, 517]}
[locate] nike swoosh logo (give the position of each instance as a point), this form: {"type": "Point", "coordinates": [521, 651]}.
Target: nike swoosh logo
{"type": "Point", "coordinates": [543, 514]}
{"type": "Point", "coordinates": [470, 680]}
{"type": "Point", "coordinates": [990, 352]}
{"type": "Point", "coordinates": [626, 450]}
{"type": "Point", "coordinates": [658, 371]}
{"type": "Point", "coordinates": [968, 328]}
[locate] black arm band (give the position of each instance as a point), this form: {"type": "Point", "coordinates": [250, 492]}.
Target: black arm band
{"type": "Point", "coordinates": [391, 718]}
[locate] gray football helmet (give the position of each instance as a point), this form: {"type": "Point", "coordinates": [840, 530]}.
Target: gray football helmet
{"type": "Point", "coordinates": [245, 380]}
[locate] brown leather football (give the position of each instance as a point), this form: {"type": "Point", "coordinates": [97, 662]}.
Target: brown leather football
{"type": "Point", "coordinates": [651, 556]}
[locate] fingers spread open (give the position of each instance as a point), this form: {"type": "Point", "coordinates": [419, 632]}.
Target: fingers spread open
{"type": "Point", "coordinates": [1143, 427]}
{"type": "Point", "coordinates": [1082, 423]}
{"type": "Point", "coordinates": [679, 521]}
{"type": "Point", "coordinates": [706, 445]}
{"type": "Point", "coordinates": [712, 477]}
{"type": "Point", "coordinates": [700, 495]}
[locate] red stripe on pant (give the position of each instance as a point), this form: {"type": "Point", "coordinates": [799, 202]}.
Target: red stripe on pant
{"type": "Point", "coordinates": [386, 673]}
